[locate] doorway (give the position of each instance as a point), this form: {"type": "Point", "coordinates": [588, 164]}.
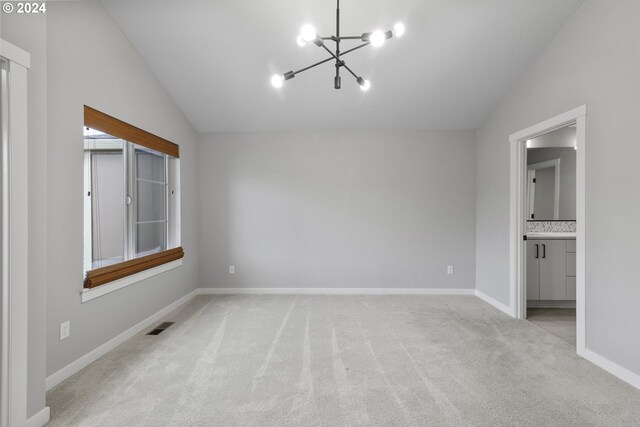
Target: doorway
{"type": "Point", "coordinates": [540, 247]}
{"type": "Point", "coordinates": [550, 224]}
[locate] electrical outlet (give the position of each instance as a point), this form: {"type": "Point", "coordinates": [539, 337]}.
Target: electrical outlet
{"type": "Point", "coordinates": [449, 269]}
{"type": "Point", "coordinates": [65, 330]}
{"type": "Point", "coordinates": [232, 269]}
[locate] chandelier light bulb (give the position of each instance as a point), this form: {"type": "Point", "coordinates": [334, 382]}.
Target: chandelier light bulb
{"type": "Point", "coordinates": [308, 33]}
{"type": "Point", "coordinates": [398, 29]}
{"type": "Point", "coordinates": [277, 81]}
{"type": "Point", "coordinates": [365, 85]}
{"type": "Point", "coordinates": [377, 38]}
{"type": "Point", "coordinates": [300, 41]}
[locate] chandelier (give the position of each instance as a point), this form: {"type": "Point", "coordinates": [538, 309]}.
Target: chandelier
{"type": "Point", "coordinates": [308, 35]}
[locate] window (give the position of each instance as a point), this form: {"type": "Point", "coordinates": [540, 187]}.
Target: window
{"type": "Point", "coordinates": [131, 200]}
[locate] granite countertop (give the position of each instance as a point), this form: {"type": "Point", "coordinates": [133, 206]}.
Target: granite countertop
{"type": "Point", "coordinates": [549, 230]}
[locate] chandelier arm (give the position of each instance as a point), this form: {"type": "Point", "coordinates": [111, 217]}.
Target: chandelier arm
{"type": "Point", "coordinates": [314, 65]}
{"type": "Point", "coordinates": [335, 39]}
{"type": "Point", "coordinates": [330, 58]}
{"type": "Point", "coordinates": [355, 48]}
{"type": "Point", "coordinates": [330, 53]}
{"type": "Point", "coordinates": [342, 63]}
{"type": "Point", "coordinates": [349, 70]}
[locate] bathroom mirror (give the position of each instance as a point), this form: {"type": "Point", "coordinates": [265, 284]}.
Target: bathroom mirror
{"type": "Point", "coordinates": [551, 176]}
{"type": "Point", "coordinates": [544, 190]}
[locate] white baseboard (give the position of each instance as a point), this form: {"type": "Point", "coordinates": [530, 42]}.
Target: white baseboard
{"type": "Point", "coordinates": [64, 373]}
{"type": "Point", "coordinates": [613, 368]}
{"type": "Point", "coordinates": [39, 419]}
{"type": "Point", "coordinates": [551, 304]}
{"type": "Point", "coordinates": [497, 304]}
{"type": "Point", "coordinates": [333, 291]}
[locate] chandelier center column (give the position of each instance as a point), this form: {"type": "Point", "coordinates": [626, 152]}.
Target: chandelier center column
{"type": "Point", "coordinates": [337, 82]}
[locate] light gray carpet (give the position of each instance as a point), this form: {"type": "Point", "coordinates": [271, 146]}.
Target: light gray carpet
{"type": "Point", "coordinates": [561, 322]}
{"type": "Point", "coordinates": [341, 361]}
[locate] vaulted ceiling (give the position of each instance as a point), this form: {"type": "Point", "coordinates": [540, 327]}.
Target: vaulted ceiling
{"type": "Point", "coordinates": [451, 68]}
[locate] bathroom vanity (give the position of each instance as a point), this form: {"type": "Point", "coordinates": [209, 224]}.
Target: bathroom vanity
{"type": "Point", "coordinates": [551, 264]}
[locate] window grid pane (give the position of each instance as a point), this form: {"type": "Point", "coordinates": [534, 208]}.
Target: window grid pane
{"type": "Point", "coordinates": [151, 220]}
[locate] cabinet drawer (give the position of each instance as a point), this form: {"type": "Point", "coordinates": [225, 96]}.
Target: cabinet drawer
{"type": "Point", "coordinates": [571, 288]}
{"type": "Point", "coordinates": [571, 264]}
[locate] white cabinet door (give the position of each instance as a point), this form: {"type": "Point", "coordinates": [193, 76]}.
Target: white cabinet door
{"type": "Point", "coordinates": [571, 288]}
{"type": "Point", "coordinates": [553, 270]}
{"type": "Point", "coordinates": [571, 264]}
{"type": "Point", "coordinates": [533, 270]}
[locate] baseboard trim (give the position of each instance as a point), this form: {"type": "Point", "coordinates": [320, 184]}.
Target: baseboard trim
{"type": "Point", "coordinates": [39, 419]}
{"type": "Point", "coordinates": [551, 304]}
{"type": "Point", "coordinates": [72, 368]}
{"type": "Point", "coordinates": [497, 304]}
{"type": "Point", "coordinates": [333, 291]}
{"type": "Point", "coordinates": [613, 368]}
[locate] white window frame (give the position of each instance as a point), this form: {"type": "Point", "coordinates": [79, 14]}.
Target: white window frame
{"type": "Point", "coordinates": [173, 233]}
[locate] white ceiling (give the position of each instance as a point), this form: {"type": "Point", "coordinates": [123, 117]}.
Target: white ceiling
{"type": "Point", "coordinates": [450, 69]}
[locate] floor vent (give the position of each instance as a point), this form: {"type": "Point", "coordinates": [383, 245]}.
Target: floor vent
{"type": "Point", "coordinates": [161, 327]}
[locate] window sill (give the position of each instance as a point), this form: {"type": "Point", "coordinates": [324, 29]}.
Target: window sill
{"type": "Point", "coordinates": [111, 273]}
{"type": "Point", "coordinates": [93, 293]}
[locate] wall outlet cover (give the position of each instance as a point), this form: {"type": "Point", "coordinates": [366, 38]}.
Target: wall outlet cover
{"type": "Point", "coordinates": [450, 269]}
{"type": "Point", "coordinates": [65, 330]}
{"type": "Point", "coordinates": [232, 269]}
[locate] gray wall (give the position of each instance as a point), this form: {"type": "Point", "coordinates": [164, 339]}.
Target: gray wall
{"type": "Point", "coordinates": [91, 62]}
{"type": "Point", "coordinates": [594, 60]}
{"type": "Point", "coordinates": [567, 156]}
{"type": "Point", "coordinates": [338, 209]}
{"type": "Point", "coordinates": [29, 33]}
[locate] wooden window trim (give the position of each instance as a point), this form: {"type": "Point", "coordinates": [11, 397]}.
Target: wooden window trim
{"type": "Point", "coordinates": [105, 123]}
{"type": "Point", "coordinates": [103, 275]}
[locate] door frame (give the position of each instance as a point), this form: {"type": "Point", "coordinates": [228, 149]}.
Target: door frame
{"type": "Point", "coordinates": [518, 206]}
{"type": "Point", "coordinates": [13, 358]}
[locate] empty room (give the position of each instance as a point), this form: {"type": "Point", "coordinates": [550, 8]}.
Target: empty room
{"type": "Point", "coordinates": [319, 213]}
